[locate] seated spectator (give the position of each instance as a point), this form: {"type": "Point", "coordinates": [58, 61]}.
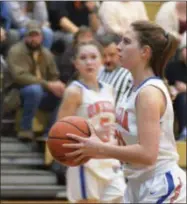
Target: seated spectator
{"type": "Point", "coordinates": [116, 16]}
{"type": "Point", "coordinates": [64, 60]}
{"type": "Point", "coordinates": [113, 74]}
{"type": "Point", "coordinates": [5, 26]}
{"type": "Point", "coordinates": [172, 17]}
{"type": "Point", "coordinates": [10, 99]}
{"type": "Point", "coordinates": [24, 11]}
{"type": "Point", "coordinates": [34, 71]}
{"type": "Point", "coordinates": [67, 16]}
{"type": "Point", "coordinates": [5, 20]}
{"type": "Point", "coordinates": [176, 74]}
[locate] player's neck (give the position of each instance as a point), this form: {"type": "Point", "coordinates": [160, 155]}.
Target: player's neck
{"type": "Point", "coordinates": [90, 83]}
{"type": "Point", "coordinates": [141, 76]}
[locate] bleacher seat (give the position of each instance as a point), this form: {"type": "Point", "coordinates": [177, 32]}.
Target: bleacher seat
{"type": "Point", "coordinates": [181, 147]}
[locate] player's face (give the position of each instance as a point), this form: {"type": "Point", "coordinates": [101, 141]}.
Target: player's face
{"type": "Point", "coordinates": [111, 57]}
{"type": "Point", "coordinates": [88, 60]}
{"type": "Point", "coordinates": [130, 52]}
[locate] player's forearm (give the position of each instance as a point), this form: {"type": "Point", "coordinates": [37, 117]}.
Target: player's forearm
{"type": "Point", "coordinates": [134, 154]}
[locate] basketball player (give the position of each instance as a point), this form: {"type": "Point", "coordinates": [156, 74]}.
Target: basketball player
{"type": "Point", "coordinates": [96, 180]}
{"type": "Point", "coordinates": [145, 122]}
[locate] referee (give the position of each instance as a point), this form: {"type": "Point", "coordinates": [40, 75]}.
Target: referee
{"type": "Point", "coordinates": [112, 73]}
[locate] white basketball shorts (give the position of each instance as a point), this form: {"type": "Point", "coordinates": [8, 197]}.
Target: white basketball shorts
{"type": "Point", "coordinates": [82, 184]}
{"type": "Point", "coordinates": [164, 188]}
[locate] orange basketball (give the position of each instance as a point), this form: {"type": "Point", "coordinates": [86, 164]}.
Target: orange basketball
{"type": "Point", "coordinates": [57, 137]}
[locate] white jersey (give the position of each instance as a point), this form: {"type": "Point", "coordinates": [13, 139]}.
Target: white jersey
{"type": "Point", "coordinates": [127, 129]}
{"type": "Point", "coordinates": [98, 108]}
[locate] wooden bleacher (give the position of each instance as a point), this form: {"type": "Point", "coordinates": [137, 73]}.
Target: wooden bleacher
{"type": "Point", "coordinates": [181, 147]}
{"type": "Point", "coordinates": [152, 8]}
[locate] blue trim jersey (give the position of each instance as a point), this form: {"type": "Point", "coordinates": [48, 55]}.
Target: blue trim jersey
{"type": "Point", "coordinates": [98, 107]}
{"type": "Point", "coordinates": [127, 130]}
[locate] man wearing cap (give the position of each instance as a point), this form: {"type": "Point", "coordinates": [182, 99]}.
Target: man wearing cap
{"type": "Point", "coordinates": [35, 73]}
{"type": "Point", "coordinates": [22, 12]}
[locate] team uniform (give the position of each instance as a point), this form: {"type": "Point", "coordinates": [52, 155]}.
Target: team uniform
{"type": "Point", "coordinates": [163, 182]}
{"type": "Point", "coordinates": [98, 179]}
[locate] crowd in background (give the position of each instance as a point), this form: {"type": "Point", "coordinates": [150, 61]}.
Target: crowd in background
{"type": "Point", "coordinates": [38, 39]}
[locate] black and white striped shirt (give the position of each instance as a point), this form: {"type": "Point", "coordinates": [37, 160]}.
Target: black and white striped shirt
{"type": "Point", "coordinates": [121, 80]}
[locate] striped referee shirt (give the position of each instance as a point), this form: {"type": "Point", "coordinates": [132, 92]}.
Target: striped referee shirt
{"type": "Point", "coordinates": [120, 79]}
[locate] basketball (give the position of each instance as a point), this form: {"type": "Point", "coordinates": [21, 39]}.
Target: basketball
{"type": "Point", "coordinates": [57, 137]}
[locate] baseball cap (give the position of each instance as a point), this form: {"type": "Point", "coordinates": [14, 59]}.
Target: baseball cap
{"type": "Point", "coordinates": [33, 26]}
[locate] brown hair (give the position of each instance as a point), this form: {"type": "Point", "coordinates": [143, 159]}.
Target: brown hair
{"type": "Point", "coordinates": [82, 30]}
{"type": "Point", "coordinates": [163, 45]}
{"type": "Point", "coordinates": [94, 43]}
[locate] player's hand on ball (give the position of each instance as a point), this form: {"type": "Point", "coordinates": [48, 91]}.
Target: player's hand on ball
{"type": "Point", "coordinates": [87, 147]}
{"type": "Point", "coordinates": [105, 132]}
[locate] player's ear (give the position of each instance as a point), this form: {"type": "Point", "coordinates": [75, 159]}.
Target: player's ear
{"type": "Point", "coordinates": [146, 52]}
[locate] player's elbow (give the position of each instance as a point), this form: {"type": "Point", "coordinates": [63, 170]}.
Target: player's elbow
{"type": "Point", "coordinates": [150, 159]}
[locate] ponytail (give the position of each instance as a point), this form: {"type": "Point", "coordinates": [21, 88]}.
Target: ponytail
{"type": "Point", "coordinates": [162, 44]}
{"type": "Point", "coordinates": [168, 53]}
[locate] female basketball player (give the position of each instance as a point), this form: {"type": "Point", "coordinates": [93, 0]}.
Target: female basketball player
{"type": "Point", "coordinates": [97, 180]}
{"type": "Point", "coordinates": [145, 122]}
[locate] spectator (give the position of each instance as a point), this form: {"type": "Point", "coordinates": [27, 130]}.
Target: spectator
{"type": "Point", "coordinates": [35, 73]}
{"type": "Point", "coordinates": [176, 73]}
{"type": "Point", "coordinates": [117, 16]}
{"type": "Point", "coordinates": [5, 26]}
{"type": "Point", "coordinates": [10, 99]}
{"type": "Point", "coordinates": [64, 60]}
{"type": "Point", "coordinates": [67, 16]}
{"type": "Point", "coordinates": [172, 17]}
{"type": "Point", "coordinates": [23, 11]}
{"type": "Point", "coordinates": [113, 74]}
{"type": "Point", "coordinates": [5, 20]}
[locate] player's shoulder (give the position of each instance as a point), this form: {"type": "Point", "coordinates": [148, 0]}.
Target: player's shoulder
{"type": "Point", "coordinates": [151, 95]}
{"type": "Point", "coordinates": [152, 84]}
{"type": "Point", "coordinates": [72, 91]}
{"type": "Point", "coordinates": [149, 91]}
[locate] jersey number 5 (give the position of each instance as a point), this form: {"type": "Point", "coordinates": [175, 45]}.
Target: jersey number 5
{"type": "Point", "coordinates": [103, 121]}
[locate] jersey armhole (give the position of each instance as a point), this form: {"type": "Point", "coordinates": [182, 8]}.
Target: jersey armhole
{"type": "Point", "coordinates": [166, 101]}
{"type": "Point", "coordinates": [76, 85]}
{"type": "Point", "coordinates": [81, 94]}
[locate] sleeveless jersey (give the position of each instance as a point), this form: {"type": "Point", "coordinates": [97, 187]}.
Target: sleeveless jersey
{"type": "Point", "coordinates": [98, 108]}
{"type": "Point", "coordinates": [127, 130]}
